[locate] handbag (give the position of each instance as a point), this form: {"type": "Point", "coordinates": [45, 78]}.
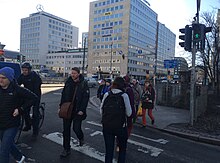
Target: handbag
{"type": "Point", "coordinates": [66, 108]}
{"type": "Point", "coordinates": [139, 112]}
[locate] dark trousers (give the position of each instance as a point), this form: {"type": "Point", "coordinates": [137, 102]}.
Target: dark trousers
{"type": "Point", "coordinates": [109, 137]}
{"type": "Point", "coordinates": [35, 117]}
{"type": "Point", "coordinates": [77, 128]}
{"type": "Point", "coordinates": [7, 145]}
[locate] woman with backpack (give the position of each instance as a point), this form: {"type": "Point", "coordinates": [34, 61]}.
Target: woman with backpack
{"type": "Point", "coordinates": [115, 108]}
{"type": "Point", "coordinates": [147, 99]}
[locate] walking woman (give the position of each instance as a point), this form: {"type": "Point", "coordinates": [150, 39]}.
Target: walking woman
{"type": "Point", "coordinates": [147, 99]}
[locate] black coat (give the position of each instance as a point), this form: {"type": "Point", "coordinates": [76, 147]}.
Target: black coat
{"type": "Point", "coordinates": [148, 98]}
{"type": "Point", "coordinates": [82, 95]}
{"type": "Point", "coordinates": [32, 82]}
{"type": "Point", "coordinates": [11, 98]}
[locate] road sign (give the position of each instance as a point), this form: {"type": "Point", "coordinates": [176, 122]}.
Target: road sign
{"type": "Point", "coordinates": [170, 63]}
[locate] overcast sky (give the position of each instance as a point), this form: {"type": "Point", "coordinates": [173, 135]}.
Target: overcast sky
{"type": "Point", "coordinates": [174, 14]}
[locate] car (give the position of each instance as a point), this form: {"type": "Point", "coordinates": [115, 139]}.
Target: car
{"type": "Point", "coordinates": [92, 82]}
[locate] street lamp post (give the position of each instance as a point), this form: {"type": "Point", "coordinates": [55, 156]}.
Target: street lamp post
{"type": "Point", "coordinates": [111, 61]}
{"type": "Point", "coordinates": [84, 55]}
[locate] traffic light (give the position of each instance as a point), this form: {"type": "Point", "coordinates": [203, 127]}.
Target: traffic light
{"type": "Point", "coordinates": [2, 59]}
{"type": "Point", "coordinates": [1, 52]}
{"type": "Point", "coordinates": [18, 58]}
{"type": "Point", "coordinates": [199, 35]}
{"type": "Point", "coordinates": [147, 75]}
{"type": "Point", "coordinates": [23, 58]}
{"type": "Point", "coordinates": [186, 37]}
{"type": "Point", "coordinates": [197, 32]}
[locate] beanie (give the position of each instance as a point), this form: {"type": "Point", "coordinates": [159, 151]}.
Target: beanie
{"type": "Point", "coordinates": [8, 72]}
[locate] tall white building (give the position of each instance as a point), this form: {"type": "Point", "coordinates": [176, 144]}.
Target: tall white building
{"type": "Point", "coordinates": [43, 33]}
{"type": "Point", "coordinates": [122, 28]}
{"type": "Point", "coordinates": [165, 47]}
{"type": "Point", "coordinates": [127, 28]}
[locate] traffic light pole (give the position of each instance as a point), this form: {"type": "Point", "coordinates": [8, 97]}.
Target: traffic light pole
{"type": "Point", "coordinates": [192, 86]}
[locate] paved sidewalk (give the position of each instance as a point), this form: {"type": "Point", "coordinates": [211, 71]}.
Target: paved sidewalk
{"type": "Point", "coordinates": [165, 117]}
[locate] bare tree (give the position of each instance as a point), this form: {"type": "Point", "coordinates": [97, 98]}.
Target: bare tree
{"type": "Point", "coordinates": [210, 57]}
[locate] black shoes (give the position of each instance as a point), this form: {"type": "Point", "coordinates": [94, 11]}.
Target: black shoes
{"type": "Point", "coordinates": [65, 153]}
{"type": "Point", "coordinates": [81, 142]}
{"type": "Point", "coordinates": [26, 128]}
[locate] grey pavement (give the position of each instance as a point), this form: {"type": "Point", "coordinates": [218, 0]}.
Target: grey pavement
{"type": "Point", "coordinates": [166, 116]}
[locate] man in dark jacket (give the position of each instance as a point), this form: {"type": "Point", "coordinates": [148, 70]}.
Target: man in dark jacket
{"type": "Point", "coordinates": [74, 83]}
{"type": "Point", "coordinates": [31, 81]}
{"type": "Point", "coordinates": [13, 99]}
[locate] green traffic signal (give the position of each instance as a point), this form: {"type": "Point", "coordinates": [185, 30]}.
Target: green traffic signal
{"type": "Point", "coordinates": [197, 36]}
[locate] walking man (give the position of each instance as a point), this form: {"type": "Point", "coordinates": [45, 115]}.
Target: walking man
{"type": "Point", "coordinates": [74, 83]}
{"type": "Point", "coordinates": [13, 99]}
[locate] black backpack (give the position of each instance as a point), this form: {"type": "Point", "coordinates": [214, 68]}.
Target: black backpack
{"type": "Point", "coordinates": [113, 111]}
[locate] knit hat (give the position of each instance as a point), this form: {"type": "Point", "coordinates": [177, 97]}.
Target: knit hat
{"type": "Point", "coordinates": [8, 72]}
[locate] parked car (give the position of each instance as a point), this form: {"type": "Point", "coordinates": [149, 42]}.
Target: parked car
{"type": "Point", "coordinates": [92, 82]}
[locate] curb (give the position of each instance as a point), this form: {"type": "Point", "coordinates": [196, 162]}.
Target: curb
{"type": "Point", "coordinates": [49, 86]}
{"type": "Point", "coordinates": [192, 136]}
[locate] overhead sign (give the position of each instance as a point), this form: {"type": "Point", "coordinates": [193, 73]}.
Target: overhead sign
{"type": "Point", "coordinates": [170, 63]}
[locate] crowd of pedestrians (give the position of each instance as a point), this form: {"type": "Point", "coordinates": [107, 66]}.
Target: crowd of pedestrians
{"type": "Point", "coordinates": [120, 101]}
{"type": "Point", "coordinates": [134, 97]}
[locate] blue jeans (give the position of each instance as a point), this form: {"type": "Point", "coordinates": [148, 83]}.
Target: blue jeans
{"type": "Point", "coordinates": [109, 137]}
{"type": "Point", "coordinates": [7, 145]}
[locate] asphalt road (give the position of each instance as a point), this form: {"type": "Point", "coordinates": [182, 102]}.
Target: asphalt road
{"type": "Point", "coordinates": [144, 145]}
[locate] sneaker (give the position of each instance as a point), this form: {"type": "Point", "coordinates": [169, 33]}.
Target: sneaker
{"type": "Point", "coordinates": [152, 121]}
{"type": "Point", "coordinates": [26, 128]}
{"type": "Point", "coordinates": [81, 142]}
{"type": "Point", "coordinates": [65, 153]}
{"type": "Point", "coordinates": [22, 160]}
{"type": "Point", "coordinates": [143, 126]}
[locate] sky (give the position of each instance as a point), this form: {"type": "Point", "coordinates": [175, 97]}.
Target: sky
{"type": "Point", "coordinates": [175, 14]}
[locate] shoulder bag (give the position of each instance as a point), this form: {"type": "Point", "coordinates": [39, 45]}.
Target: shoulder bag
{"type": "Point", "coordinates": [67, 107]}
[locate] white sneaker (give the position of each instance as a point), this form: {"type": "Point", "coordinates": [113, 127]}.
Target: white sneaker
{"type": "Point", "coordinates": [22, 160]}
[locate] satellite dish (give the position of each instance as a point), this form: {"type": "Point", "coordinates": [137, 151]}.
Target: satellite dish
{"type": "Point", "coordinates": [40, 7]}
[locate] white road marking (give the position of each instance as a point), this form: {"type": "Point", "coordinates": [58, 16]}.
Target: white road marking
{"type": "Point", "coordinates": [161, 141]}
{"type": "Point", "coordinates": [96, 133]}
{"type": "Point", "coordinates": [153, 150]}
{"type": "Point", "coordinates": [57, 93]}
{"type": "Point", "coordinates": [85, 149]}
{"type": "Point", "coordinates": [94, 123]}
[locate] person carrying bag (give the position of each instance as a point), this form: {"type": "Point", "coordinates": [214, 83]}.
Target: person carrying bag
{"type": "Point", "coordinates": [66, 108]}
{"type": "Point", "coordinates": [76, 94]}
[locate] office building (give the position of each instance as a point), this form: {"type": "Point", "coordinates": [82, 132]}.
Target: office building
{"type": "Point", "coordinates": [43, 33]}
{"type": "Point", "coordinates": [122, 38]}
{"type": "Point", "coordinates": [165, 48]}
{"type": "Point", "coordinates": [63, 61]}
